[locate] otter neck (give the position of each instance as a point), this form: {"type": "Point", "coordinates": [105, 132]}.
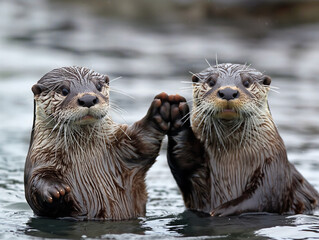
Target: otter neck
{"type": "Point", "coordinates": [226, 136]}
{"type": "Point", "coordinates": [67, 138]}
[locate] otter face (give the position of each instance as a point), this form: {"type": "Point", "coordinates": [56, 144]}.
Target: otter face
{"type": "Point", "coordinates": [72, 95]}
{"type": "Point", "coordinates": [230, 91]}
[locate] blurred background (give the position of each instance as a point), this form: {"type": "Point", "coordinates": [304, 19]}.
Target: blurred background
{"type": "Point", "coordinates": [149, 47]}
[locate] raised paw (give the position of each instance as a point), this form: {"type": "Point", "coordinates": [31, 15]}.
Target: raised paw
{"type": "Point", "coordinates": [179, 117]}
{"type": "Point", "coordinates": [159, 112]}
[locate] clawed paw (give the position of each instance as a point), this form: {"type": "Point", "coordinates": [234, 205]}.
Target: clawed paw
{"type": "Point", "coordinates": [50, 191]}
{"type": "Point", "coordinates": [224, 211]}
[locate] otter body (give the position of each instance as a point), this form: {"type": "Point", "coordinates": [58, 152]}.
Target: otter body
{"type": "Point", "coordinates": [232, 159]}
{"type": "Point", "coordinates": [80, 163]}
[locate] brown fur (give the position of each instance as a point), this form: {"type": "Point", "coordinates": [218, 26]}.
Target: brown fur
{"type": "Point", "coordinates": [80, 163]}
{"type": "Point", "coordinates": [232, 159]}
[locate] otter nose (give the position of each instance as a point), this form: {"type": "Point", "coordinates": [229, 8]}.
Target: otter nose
{"type": "Point", "coordinates": [228, 94]}
{"type": "Point", "coordinates": [88, 101]}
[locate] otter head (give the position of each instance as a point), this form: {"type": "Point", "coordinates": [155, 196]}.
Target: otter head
{"type": "Point", "coordinates": [230, 104]}
{"type": "Point", "coordinates": [72, 96]}
{"type": "Point", "coordinates": [230, 91]}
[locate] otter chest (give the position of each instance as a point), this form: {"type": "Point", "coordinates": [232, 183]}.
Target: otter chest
{"type": "Point", "coordinates": [230, 173]}
{"type": "Point", "coordinates": [102, 187]}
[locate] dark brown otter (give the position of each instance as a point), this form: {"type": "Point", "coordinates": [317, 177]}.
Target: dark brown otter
{"type": "Point", "coordinates": [232, 159]}
{"type": "Point", "coordinates": [80, 163]}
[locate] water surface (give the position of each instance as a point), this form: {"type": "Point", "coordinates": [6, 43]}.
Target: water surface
{"type": "Point", "coordinates": [37, 36]}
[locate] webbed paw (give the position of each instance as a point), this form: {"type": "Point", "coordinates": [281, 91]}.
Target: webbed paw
{"type": "Point", "coordinates": [159, 112]}
{"type": "Point", "coordinates": [179, 117]}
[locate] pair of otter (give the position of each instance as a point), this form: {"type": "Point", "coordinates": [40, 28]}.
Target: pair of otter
{"type": "Point", "coordinates": [231, 159]}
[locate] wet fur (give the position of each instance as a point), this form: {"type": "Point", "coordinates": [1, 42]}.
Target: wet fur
{"type": "Point", "coordinates": [88, 170]}
{"type": "Point", "coordinates": [226, 167]}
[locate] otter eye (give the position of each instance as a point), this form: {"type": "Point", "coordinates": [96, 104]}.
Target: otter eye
{"type": "Point", "coordinates": [211, 82]}
{"type": "Point", "coordinates": [246, 83]}
{"type": "Point", "coordinates": [99, 87]}
{"type": "Point", "coordinates": [246, 79]}
{"type": "Point", "coordinates": [65, 91]}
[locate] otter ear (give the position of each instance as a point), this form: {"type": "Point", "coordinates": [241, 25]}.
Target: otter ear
{"type": "Point", "coordinates": [195, 78]}
{"type": "Point", "coordinates": [37, 89]}
{"type": "Point", "coordinates": [266, 80]}
{"type": "Point", "coordinates": [106, 79]}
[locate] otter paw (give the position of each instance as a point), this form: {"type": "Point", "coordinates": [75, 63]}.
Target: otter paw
{"type": "Point", "coordinates": [51, 191]}
{"type": "Point", "coordinates": [159, 111]}
{"type": "Point", "coordinates": [225, 211]}
{"type": "Point", "coordinates": [179, 113]}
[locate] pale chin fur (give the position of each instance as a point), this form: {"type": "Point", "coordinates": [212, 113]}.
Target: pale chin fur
{"type": "Point", "coordinates": [83, 116]}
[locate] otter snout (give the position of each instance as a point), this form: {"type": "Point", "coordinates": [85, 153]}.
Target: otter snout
{"type": "Point", "coordinates": [228, 94]}
{"type": "Point", "coordinates": [88, 101]}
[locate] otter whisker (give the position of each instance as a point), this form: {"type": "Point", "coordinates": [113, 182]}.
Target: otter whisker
{"type": "Point", "coordinates": [188, 82]}
{"type": "Point", "coordinates": [208, 63]}
{"type": "Point", "coordinates": [121, 130]}
{"type": "Point", "coordinates": [121, 92]}
{"type": "Point", "coordinates": [198, 115]}
{"type": "Point", "coordinates": [186, 88]}
{"type": "Point", "coordinates": [235, 127]}
{"type": "Point", "coordinates": [115, 79]}
{"type": "Point", "coordinates": [219, 131]}
{"type": "Point", "coordinates": [118, 111]}
{"type": "Point", "coordinates": [198, 112]}
{"type": "Point", "coordinates": [247, 66]}
{"type": "Point", "coordinates": [185, 118]}
{"type": "Point", "coordinates": [216, 60]}
{"type": "Point", "coordinates": [275, 91]}
{"type": "Point", "coordinates": [273, 87]}
{"type": "Point", "coordinates": [120, 115]}
{"type": "Point", "coordinates": [114, 106]}
{"type": "Point", "coordinates": [92, 131]}
{"type": "Point", "coordinates": [190, 101]}
{"type": "Point", "coordinates": [53, 119]}
{"type": "Point", "coordinates": [55, 126]}
{"type": "Point", "coordinates": [73, 137]}
{"type": "Point", "coordinates": [79, 135]}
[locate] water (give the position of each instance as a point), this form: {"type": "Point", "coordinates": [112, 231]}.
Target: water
{"type": "Point", "coordinates": [37, 36]}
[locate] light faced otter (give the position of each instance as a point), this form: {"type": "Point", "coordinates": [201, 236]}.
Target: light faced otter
{"type": "Point", "coordinates": [80, 163]}
{"type": "Point", "coordinates": [232, 159]}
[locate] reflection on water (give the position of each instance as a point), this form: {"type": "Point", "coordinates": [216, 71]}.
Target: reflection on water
{"type": "Point", "coordinates": [68, 229]}
{"type": "Point", "coordinates": [187, 224]}
{"type": "Point", "coordinates": [243, 226]}
{"type": "Point", "coordinates": [37, 36]}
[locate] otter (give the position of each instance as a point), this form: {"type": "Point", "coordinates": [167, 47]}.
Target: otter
{"type": "Point", "coordinates": [80, 163]}
{"type": "Point", "coordinates": [229, 158]}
